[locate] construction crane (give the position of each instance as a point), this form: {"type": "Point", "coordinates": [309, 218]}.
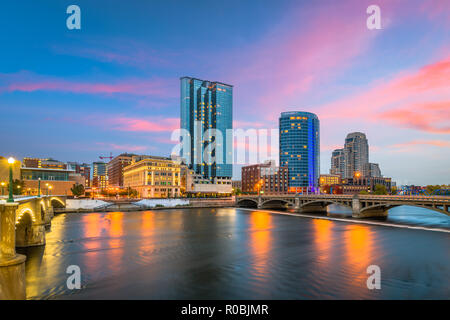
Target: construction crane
{"type": "Point", "coordinates": [110, 157]}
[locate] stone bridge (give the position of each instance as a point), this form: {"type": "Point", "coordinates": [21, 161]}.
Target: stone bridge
{"type": "Point", "coordinates": [22, 224]}
{"type": "Point", "coordinates": [362, 206]}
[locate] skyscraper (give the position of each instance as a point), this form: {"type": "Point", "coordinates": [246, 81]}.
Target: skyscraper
{"type": "Point", "coordinates": [337, 162]}
{"type": "Point", "coordinates": [99, 175]}
{"type": "Point", "coordinates": [300, 149]}
{"type": "Point", "coordinates": [356, 154]}
{"type": "Point", "coordinates": [206, 115]}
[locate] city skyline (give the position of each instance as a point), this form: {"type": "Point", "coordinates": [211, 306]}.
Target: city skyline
{"type": "Point", "coordinates": [80, 95]}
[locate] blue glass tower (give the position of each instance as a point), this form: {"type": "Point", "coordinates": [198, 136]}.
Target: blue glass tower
{"type": "Point", "coordinates": [207, 105]}
{"type": "Point", "coordinates": [300, 149]}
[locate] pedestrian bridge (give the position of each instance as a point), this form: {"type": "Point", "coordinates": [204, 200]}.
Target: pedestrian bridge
{"type": "Point", "coordinates": [22, 224]}
{"type": "Point", "coordinates": [362, 206]}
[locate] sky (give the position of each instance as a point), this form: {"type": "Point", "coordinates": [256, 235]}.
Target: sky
{"type": "Point", "coordinates": [113, 85]}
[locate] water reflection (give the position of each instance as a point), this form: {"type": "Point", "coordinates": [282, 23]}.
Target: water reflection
{"type": "Point", "coordinates": [360, 253]}
{"type": "Point", "coordinates": [260, 241]}
{"type": "Point", "coordinates": [323, 238]}
{"type": "Point", "coordinates": [233, 254]}
{"type": "Point", "coordinates": [115, 242]}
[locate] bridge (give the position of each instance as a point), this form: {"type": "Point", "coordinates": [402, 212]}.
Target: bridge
{"type": "Point", "coordinates": [362, 206]}
{"type": "Point", "coordinates": [22, 224]}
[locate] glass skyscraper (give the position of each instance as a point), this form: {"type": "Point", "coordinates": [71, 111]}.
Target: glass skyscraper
{"type": "Point", "coordinates": [300, 149]}
{"type": "Point", "coordinates": [205, 106]}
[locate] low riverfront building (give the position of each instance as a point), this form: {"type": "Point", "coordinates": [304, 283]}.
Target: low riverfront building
{"type": "Point", "coordinates": [153, 177]}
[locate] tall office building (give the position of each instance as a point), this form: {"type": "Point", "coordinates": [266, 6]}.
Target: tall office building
{"type": "Point", "coordinates": [356, 155]}
{"type": "Point", "coordinates": [207, 105]}
{"type": "Point", "coordinates": [337, 162]}
{"type": "Point", "coordinates": [300, 149]}
{"type": "Point", "coordinates": [99, 175]}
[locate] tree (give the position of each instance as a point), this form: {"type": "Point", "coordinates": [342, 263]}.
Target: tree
{"type": "Point", "coordinates": [77, 189]}
{"type": "Point", "coordinates": [363, 192]}
{"type": "Point", "coordinates": [133, 193]}
{"type": "Point", "coordinates": [380, 189]}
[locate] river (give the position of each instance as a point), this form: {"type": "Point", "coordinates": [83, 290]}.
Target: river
{"type": "Point", "coordinates": [232, 253]}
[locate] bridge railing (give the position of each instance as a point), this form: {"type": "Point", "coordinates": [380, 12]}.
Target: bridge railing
{"type": "Point", "coordinates": [361, 197]}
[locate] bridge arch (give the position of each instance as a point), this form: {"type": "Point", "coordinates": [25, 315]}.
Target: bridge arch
{"type": "Point", "coordinates": [275, 204]}
{"type": "Point", "coordinates": [247, 203]}
{"type": "Point", "coordinates": [57, 203]}
{"type": "Point", "coordinates": [24, 227]}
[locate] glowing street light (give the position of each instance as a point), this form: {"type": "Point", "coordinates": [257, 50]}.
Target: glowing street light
{"type": "Point", "coordinates": [11, 161]}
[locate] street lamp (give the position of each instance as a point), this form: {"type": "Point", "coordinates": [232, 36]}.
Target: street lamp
{"type": "Point", "coordinates": [3, 190]}
{"type": "Point", "coordinates": [11, 161]}
{"type": "Point", "coordinates": [39, 187]}
{"type": "Point", "coordinates": [50, 187]}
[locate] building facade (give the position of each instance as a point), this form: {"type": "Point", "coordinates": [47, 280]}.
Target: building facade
{"type": "Point", "coordinates": [356, 155]}
{"type": "Point", "coordinates": [206, 118]}
{"type": "Point", "coordinates": [99, 175]}
{"type": "Point", "coordinates": [372, 170]}
{"type": "Point", "coordinates": [153, 177]}
{"type": "Point", "coordinates": [49, 180]}
{"type": "Point", "coordinates": [337, 162]}
{"type": "Point", "coordinates": [47, 163]}
{"type": "Point", "coordinates": [265, 177]}
{"type": "Point", "coordinates": [356, 185]}
{"type": "Point", "coordinates": [300, 149]}
{"type": "Point", "coordinates": [329, 179]}
{"type": "Point", "coordinates": [83, 169]}
{"type": "Point", "coordinates": [236, 184]}
{"type": "Point", "coordinates": [115, 169]}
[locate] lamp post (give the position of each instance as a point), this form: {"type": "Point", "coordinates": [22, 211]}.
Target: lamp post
{"type": "Point", "coordinates": [11, 161]}
{"type": "Point", "coordinates": [50, 187]}
{"type": "Point", "coordinates": [3, 190]}
{"type": "Point", "coordinates": [39, 187]}
{"type": "Point", "coordinates": [47, 188]}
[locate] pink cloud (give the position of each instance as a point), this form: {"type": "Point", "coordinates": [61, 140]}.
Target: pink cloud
{"type": "Point", "coordinates": [142, 125]}
{"type": "Point", "coordinates": [29, 82]}
{"type": "Point", "coordinates": [412, 145]}
{"type": "Point", "coordinates": [418, 99]}
{"type": "Point", "coordinates": [306, 49]}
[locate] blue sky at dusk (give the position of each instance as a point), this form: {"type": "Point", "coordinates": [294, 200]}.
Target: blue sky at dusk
{"type": "Point", "coordinates": [113, 86]}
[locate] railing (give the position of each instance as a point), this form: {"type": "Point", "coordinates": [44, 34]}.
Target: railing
{"type": "Point", "coordinates": [361, 197]}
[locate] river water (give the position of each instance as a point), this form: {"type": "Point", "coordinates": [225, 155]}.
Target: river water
{"type": "Point", "coordinates": [232, 253]}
